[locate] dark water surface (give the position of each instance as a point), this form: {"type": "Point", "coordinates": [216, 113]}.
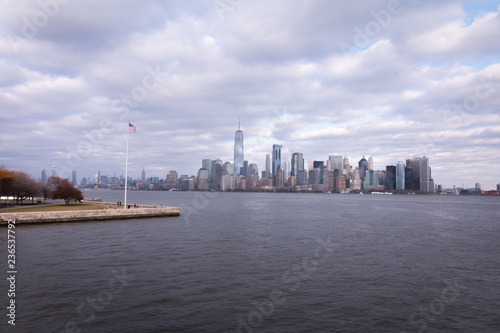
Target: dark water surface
{"type": "Point", "coordinates": [263, 262]}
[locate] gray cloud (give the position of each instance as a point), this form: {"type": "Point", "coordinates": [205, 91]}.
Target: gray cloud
{"type": "Point", "coordinates": [425, 81]}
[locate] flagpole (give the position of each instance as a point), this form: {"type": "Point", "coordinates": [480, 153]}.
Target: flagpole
{"type": "Point", "coordinates": [126, 170]}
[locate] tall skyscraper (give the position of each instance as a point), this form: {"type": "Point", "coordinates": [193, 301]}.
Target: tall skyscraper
{"type": "Point", "coordinates": [346, 165]}
{"type": "Point", "coordinates": [414, 164]}
{"type": "Point", "coordinates": [400, 176]}
{"type": "Point", "coordinates": [408, 178]}
{"type": "Point", "coordinates": [310, 164]}
{"type": "Point", "coordinates": [238, 152]}
{"type": "Point", "coordinates": [300, 162]}
{"type": "Point", "coordinates": [276, 161]}
{"type": "Point", "coordinates": [252, 170]}
{"type": "Point", "coordinates": [426, 182]}
{"type": "Point", "coordinates": [276, 158]}
{"type": "Point", "coordinates": [422, 179]}
{"type": "Point", "coordinates": [73, 177]}
{"type": "Point", "coordinates": [43, 179]}
{"type": "Point", "coordinates": [202, 179]}
{"type": "Point", "coordinates": [363, 166]}
{"type": "Point", "coordinates": [390, 178]}
{"type": "Point", "coordinates": [278, 178]}
{"type": "Point", "coordinates": [54, 172]}
{"type": "Point", "coordinates": [268, 166]}
{"type": "Point", "coordinates": [336, 162]}
{"type": "Point", "coordinates": [297, 164]}
{"type": "Point", "coordinates": [370, 163]}
{"type": "Point", "coordinates": [207, 165]}
{"type": "Point", "coordinates": [143, 175]}
{"type": "Point", "coordinates": [245, 169]}
{"type": "Point", "coordinates": [217, 167]}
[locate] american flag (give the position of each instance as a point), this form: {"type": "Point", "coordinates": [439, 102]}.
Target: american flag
{"type": "Point", "coordinates": [131, 127]}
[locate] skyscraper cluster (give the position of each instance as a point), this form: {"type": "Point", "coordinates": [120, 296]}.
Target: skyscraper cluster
{"type": "Point", "coordinates": [336, 174]}
{"type": "Point", "coordinates": [282, 173]}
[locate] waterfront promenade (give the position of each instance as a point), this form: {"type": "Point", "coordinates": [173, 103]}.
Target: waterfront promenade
{"type": "Point", "coordinates": [113, 212]}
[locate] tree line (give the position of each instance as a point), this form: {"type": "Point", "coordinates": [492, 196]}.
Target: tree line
{"type": "Point", "coordinates": [21, 186]}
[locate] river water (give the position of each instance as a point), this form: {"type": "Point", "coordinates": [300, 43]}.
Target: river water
{"type": "Point", "coordinates": [264, 262]}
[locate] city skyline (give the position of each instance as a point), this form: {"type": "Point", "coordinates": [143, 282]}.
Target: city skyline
{"type": "Point", "coordinates": [297, 162]}
{"type": "Point", "coordinates": [392, 80]}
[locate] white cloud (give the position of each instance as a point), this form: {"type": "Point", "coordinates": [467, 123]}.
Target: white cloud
{"type": "Point", "coordinates": [278, 66]}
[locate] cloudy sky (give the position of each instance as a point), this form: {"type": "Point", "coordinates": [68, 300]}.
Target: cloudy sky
{"type": "Point", "coordinates": [391, 79]}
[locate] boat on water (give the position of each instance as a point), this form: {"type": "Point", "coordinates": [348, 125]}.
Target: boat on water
{"type": "Point", "coordinates": [491, 194]}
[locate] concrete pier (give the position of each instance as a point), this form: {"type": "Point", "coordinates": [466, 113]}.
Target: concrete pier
{"type": "Point", "coordinates": [88, 215]}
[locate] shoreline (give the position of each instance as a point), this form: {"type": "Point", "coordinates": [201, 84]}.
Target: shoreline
{"type": "Point", "coordinates": [142, 211]}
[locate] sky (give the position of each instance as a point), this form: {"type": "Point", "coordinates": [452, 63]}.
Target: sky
{"type": "Point", "coordinates": [389, 79]}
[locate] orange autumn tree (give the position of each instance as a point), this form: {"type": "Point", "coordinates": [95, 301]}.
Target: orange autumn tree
{"type": "Point", "coordinates": [62, 189]}
{"type": "Point", "coordinates": [7, 182]}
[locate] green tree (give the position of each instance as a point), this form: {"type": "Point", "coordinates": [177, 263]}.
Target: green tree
{"type": "Point", "coordinates": [62, 189]}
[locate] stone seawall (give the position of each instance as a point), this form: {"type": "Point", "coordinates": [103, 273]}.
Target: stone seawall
{"type": "Point", "coordinates": [87, 215]}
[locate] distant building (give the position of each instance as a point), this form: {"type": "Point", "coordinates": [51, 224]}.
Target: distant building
{"type": "Point", "coordinates": [43, 177]}
{"type": "Point", "coordinates": [322, 174]}
{"type": "Point", "coordinates": [54, 172]}
{"type": "Point", "coordinates": [171, 181]}
{"type": "Point", "coordinates": [340, 183]}
{"type": "Point", "coordinates": [238, 152]}
{"type": "Point", "coordinates": [227, 169]}
{"type": "Point", "coordinates": [498, 187]}
{"type": "Point", "coordinates": [252, 170]}
{"type": "Point", "coordinates": [422, 178]}
{"type": "Point", "coordinates": [245, 169]}
{"type": "Point", "coordinates": [202, 180]}
{"type": "Point", "coordinates": [278, 180]}
{"type": "Point", "coordinates": [226, 183]}
{"type": "Point", "coordinates": [276, 162]}
{"type": "Point", "coordinates": [313, 177]}
{"type": "Point", "coordinates": [143, 176]}
{"type": "Point", "coordinates": [363, 166]}
{"type": "Point", "coordinates": [317, 164]}
{"type": "Point", "coordinates": [372, 181]}
{"type": "Point", "coordinates": [297, 164]}
{"type": "Point", "coordinates": [268, 166]}
{"type": "Point", "coordinates": [336, 162]}
{"type": "Point", "coordinates": [409, 179]}
{"type": "Point", "coordinates": [400, 176]}
{"type": "Point", "coordinates": [73, 178]}
{"type": "Point", "coordinates": [310, 164]}
{"type": "Point", "coordinates": [216, 173]}
{"type": "Point", "coordinates": [187, 184]}
{"type": "Point", "coordinates": [207, 165]}
{"type": "Point", "coordinates": [302, 177]}
{"type": "Point", "coordinates": [414, 164]}
{"type": "Point", "coordinates": [370, 163]}
{"type": "Point", "coordinates": [390, 178]}
{"type": "Point", "coordinates": [346, 167]}
{"type": "Point", "coordinates": [331, 180]}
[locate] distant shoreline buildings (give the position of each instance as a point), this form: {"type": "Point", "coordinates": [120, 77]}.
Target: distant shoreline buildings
{"type": "Point", "coordinates": [334, 175]}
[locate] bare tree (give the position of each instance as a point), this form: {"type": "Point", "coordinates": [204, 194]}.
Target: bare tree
{"type": "Point", "coordinates": [25, 187]}
{"type": "Point", "coordinates": [46, 191]}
